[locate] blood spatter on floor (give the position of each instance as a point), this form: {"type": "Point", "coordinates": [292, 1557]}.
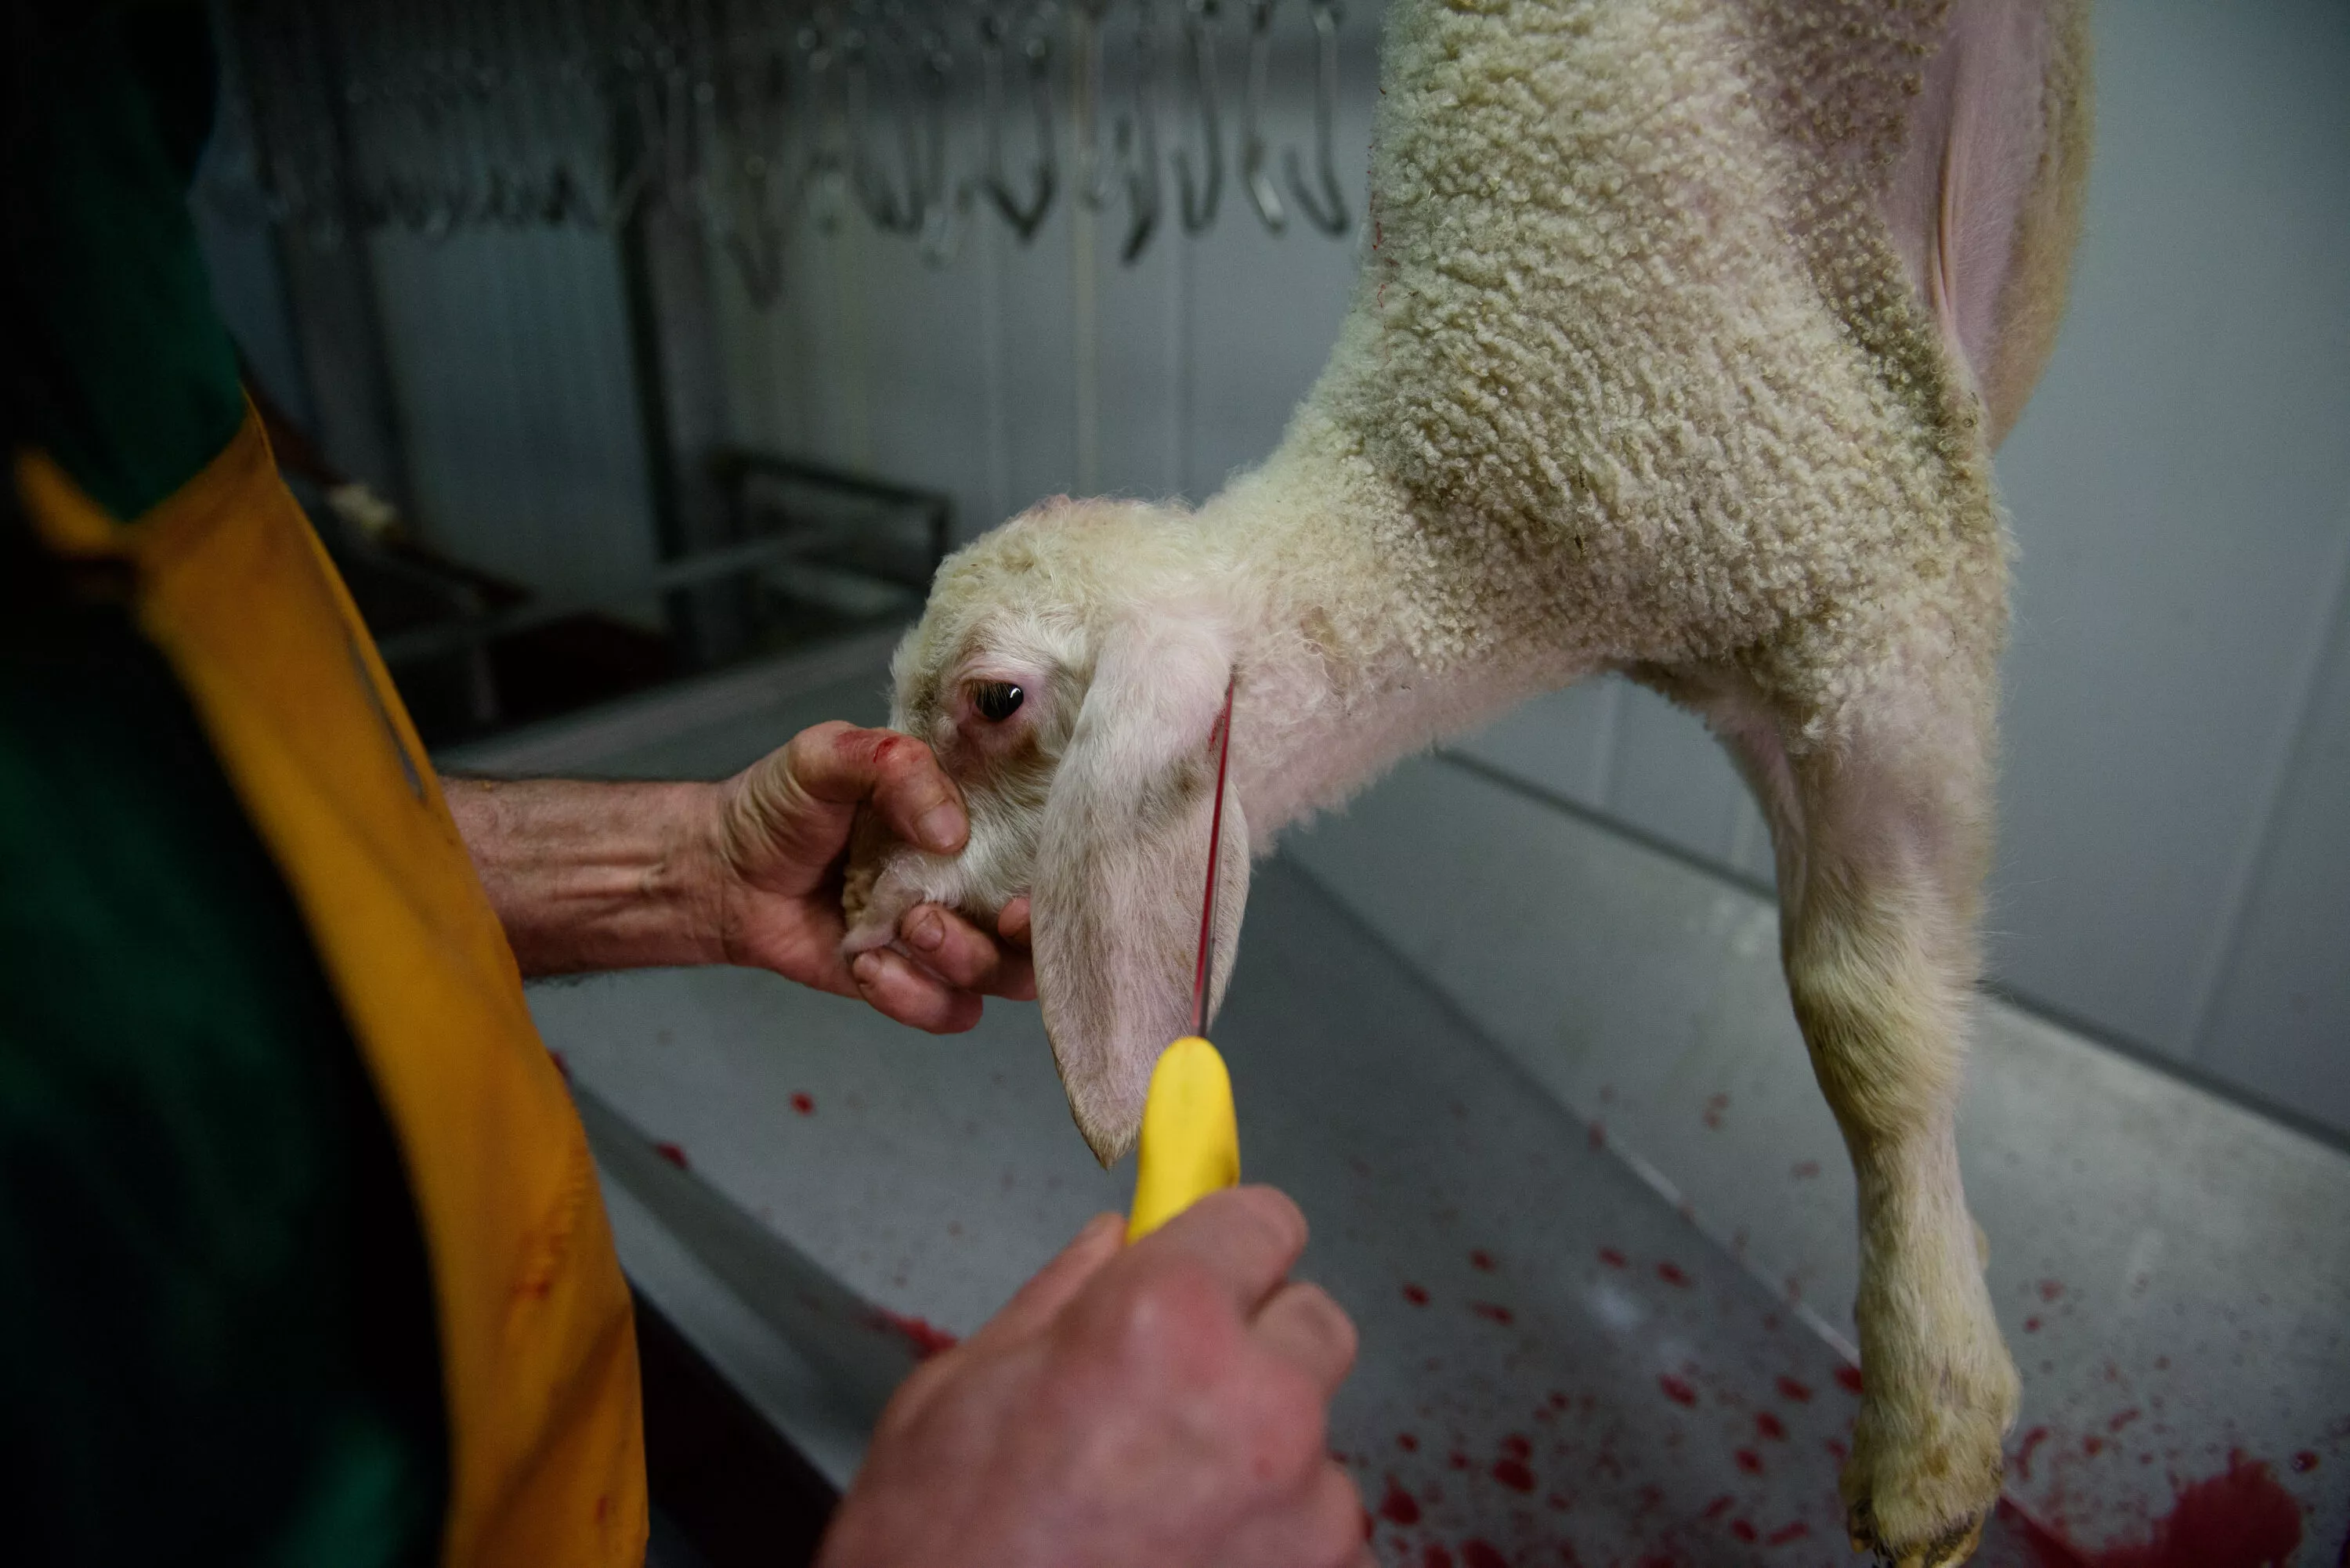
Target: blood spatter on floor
{"type": "Point", "coordinates": [1848, 1379]}
{"type": "Point", "coordinates": [1749, 1461]}
{"type": "Point", "coordinates": [2304, 1461]}
{"type": "Point", "coordinates": [2240, 1518]}
{"type": "Point", "coordinates": [1715, 1104]}
{"type": "Point", "coordinates": [1513, 1474]}
{"type": "Point", "coordinates": [1475, 1553]}
{"type": "Point", "coordinates": [1416, 1294]}
{"type": "Point", "coordinates": [1771, 1426]}
{"type": "Point", "coordinates": [2050, 1290]}
{"type": "Point", "coordinates": [1786, 1533]}
{"type": "Point", "coordinates": [671, 1153]}
{"type": "Point", "coordinates": [804, 1104]}
{"type": "Point", "coordinates": [1677, 1390]}
{"type": "Point", "coordinates": [1515, 1445]}
{"type": "Point", "coordinates": [1483, 1259]}
{"type": "Point", "coordinates": [1800, 1392]}
{"type": "Point", "coordinates": [1674, 1274]}
{"type": "Point", "coordinates": [1493, 1312]}
{"type": "Point", "coordinates": [1398, 1506]}
{"type": "Point", "coordinates": [2024, 1450]}
{"type": "Point", "coordinates": [1408, 1442]}
{"type": "Point", "coordinates": [1613, 1258]}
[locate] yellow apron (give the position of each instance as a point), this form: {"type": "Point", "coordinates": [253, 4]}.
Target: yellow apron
{"type": "Point", "coordinates": [538, 1344]}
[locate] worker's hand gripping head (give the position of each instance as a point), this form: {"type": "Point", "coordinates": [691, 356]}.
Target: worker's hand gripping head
{"type": "Point", "coordinates": [1070, 673]}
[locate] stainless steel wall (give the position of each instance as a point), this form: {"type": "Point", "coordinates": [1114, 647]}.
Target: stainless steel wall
{"type": "Point", "coordinates": [2175, 861]}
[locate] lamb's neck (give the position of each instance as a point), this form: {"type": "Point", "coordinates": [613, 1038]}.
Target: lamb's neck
{"type": "Point", "coordinates": [1346, 634]}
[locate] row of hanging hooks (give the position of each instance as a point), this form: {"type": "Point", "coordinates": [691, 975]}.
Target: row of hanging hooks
{"type": "Point", "coordinates": [757, 116]}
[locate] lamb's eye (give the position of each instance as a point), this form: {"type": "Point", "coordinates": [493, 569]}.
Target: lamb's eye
{"type": "Point", "coordinates": [996, 700]}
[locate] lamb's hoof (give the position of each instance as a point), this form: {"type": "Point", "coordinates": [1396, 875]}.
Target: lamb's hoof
{"type": "Point", "coordinates": [1925, 1473]}
{"type": "Point", "coordinates": [1948, 1552]}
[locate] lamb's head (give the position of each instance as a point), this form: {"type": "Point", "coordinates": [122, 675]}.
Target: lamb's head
{"type": "Point", "coordinates": [1070, 671]}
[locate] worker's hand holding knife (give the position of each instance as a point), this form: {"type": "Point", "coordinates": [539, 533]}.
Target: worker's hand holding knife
{"type": "Point", "coordinates": [1146, 1406]}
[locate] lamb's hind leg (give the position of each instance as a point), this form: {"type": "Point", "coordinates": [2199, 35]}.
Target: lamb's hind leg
{"type": "Point", "coordinates": [1882, 843]}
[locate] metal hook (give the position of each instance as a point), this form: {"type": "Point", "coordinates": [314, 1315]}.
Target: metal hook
{"type": "Point", "coordinates": [1332, 219]}
{"type": "Point", "coordinates": [874, 193]}
{"type": "Point", "coordinates": [1200, 205]}
{"type": "Point", "coordinates": [1027, 217]}
{"type": "Point", "coordinates": [1137, 139]}
{"type": "Point", "coordinates": [1263, 195]}
{"type": "Point", "coordinates": [1095, 182]}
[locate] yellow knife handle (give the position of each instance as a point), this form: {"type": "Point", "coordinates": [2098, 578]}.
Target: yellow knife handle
{"type": "Point", "coordinates": [1191, 1139]}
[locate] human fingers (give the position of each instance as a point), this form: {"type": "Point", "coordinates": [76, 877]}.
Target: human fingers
{"type": "Point", "coordinates": [1320, 1526]}
{"type": "Point", "coordinates": [1305, 1327]}
{"type": "Point", "coordinates": [1057, 1284]}
{"type": "Point", "coordinates": [1246, 1238]}
{"type": "Point", "coordinates": [896, 986]}
{"type": "Point", "coordinates": [841, 766]}
{"type": "Point", "coordinates": [1011, 925]}
{"type": "Point", "coordinates": [962, 955]}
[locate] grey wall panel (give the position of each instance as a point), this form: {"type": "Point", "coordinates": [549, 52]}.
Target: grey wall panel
{"type": "Point", "coordinates": [510, 359]}
{"type": "Point", "coordinates": [249, 290]}
{"type": "Point", "coordinates": [2279, 1021]}
{"type": "Point", "coordinates": [2177, 489]}
{"type": "Point", "coordinates": [1564, 743]}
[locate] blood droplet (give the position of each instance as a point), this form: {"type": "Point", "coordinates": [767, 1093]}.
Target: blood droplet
{"type": "Point", "coordinates": [1800, 1392]}
{"type": "Point", "coordinates": [1493, 1312]}
{"type": "Point", "coordinates": [1771, 1426]}
{"type": "Point", "coordinates": [1848, 1378]}
{"type": "Point", "coordinates": [1513, 1474]}
{"type": "Point", "coordinates": [1399, 1506]}
{"type": "Point", "coordinates": [2032, 1441]}
{"type": "Point", "coordinates": [1743, 1531]}
{"type": "Point", "coordinates": [1479, 1554]}
{"type": "Point", "coordinates": [1613, 1258]}
{"type": "Point", "coordinates": [1748, 1460]}
{"type": "Point", "coordinates": [1416, 1295]}
{"type": "Point", "coordinates": [671, 1153]}
{"type": "Point", "coordinates": [1482, 1258]}
{"type": "Point", "coordinates": [927, 1338]}
{"type": "Point", "coordinates": [1673, 1275]}
{"type": "Point", "coordinates": [1787, 1532]}
{"type": "Point", "coordinates": [804, 1104]}
{"type": "Point", "coordinates": [1679, 1392]}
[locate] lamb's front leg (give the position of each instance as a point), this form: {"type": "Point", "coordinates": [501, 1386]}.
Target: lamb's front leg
{"type": "Point", "coordinates": [1883, 849]}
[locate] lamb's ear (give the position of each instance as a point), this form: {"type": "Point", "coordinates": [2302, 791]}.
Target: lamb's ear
{"type": "Point", "coordinates": [1121, 864]}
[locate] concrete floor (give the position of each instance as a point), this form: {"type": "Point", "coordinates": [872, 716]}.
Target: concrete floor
{"type": "Point", "coordinates": [1574, 1338]}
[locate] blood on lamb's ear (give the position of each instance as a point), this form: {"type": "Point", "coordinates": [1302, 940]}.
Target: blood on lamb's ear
{"type": "Point", "coordinates": [1122, 866]}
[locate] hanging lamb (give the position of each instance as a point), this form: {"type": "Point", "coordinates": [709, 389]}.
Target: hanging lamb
{"type": "Point", "coordinates": [1686, 332]}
